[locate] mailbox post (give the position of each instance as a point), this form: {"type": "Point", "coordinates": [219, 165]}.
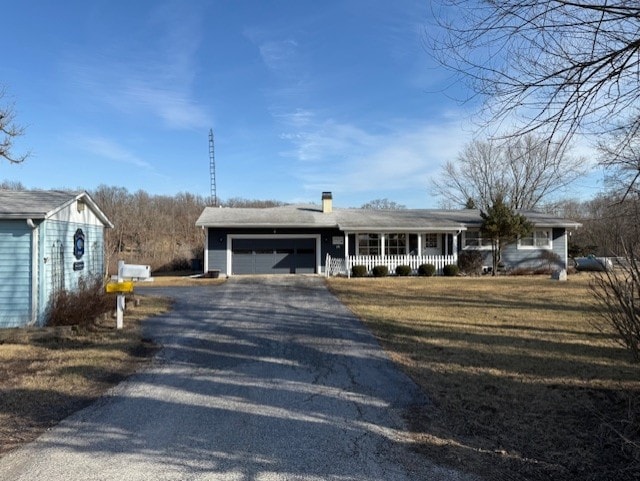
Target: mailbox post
{"type": "Point", "coordinates": [127, 273]}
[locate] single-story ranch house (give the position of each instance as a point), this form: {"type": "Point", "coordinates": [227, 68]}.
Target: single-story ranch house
{"type": "Point", "coordinates": [48, 241]}
{"type": "Point", "coordinates": [297, 239]}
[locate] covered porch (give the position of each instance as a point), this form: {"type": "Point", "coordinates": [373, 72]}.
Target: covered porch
{"type": "Point", "coordinates": [392, 249]}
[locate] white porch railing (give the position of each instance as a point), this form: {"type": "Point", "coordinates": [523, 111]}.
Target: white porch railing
{"type": "Point", "coordinates": [340, 266]}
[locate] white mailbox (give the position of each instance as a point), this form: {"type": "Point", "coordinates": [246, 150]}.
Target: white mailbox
{"type": "Point", "coordinates": [134, 271]}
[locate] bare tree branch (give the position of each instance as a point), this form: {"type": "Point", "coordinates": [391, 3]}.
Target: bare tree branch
{"type": "Point", "coordinates": [9, 130]}
{"type": "Point", "coordinates": [557, 68]}
{"type": "Point", "coordinates": [523, 171]}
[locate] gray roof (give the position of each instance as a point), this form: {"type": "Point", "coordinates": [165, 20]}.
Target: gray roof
{"type": "Point", "coordinates": [358, 220]}
{"type": "Point", "coordinates": [41, 204]}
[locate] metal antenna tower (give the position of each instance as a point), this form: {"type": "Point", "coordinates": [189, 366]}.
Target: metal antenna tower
{"type": "Point", "coordinates": [212, 171]}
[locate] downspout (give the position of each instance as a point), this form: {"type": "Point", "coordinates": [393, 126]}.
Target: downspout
{"type": "Point", "coordinates": [205, 260]}
{"type": "Point", "coordinates": [454, 244]}
{"type": "Point", "coordinates": [35, 259]}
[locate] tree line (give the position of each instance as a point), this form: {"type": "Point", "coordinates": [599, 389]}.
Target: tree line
{"type": "Point", "coordinates": [158, 230]}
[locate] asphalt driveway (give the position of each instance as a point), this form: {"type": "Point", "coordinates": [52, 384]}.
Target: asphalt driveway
{"type": "Point", "coordinates": [261, 378]}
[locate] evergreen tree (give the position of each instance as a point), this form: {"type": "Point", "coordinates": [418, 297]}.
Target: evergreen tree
{"type": "Point", "coordinates": [503, 226]}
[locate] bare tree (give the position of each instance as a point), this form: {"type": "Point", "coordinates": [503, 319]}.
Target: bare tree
{"type": "Point", "coordinates": [11, 185]}
{"type": "Point", "coordinates": [618, 292]}
{"type": "Point", "coordinates": [158, 230]}
{"type": "Point", "coordinates": [620, 152]}
{"type": "Point", "coordinates": [251, 203]}
{"type": "Point", "coordinates": [383, 204]}
{"type": "Point", "coordinates": [523, 171]}
{"type": "Point", "coordinates": [559, 67]}
{"type": "Point", "coordinates": [609, 223]}
{"type": "Point", "coordinates": [9, 130]}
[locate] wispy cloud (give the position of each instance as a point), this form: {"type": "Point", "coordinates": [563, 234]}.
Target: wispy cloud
{"type": "Point", "coordinates": [287, 59]}
{"type": "Point", "coordinates": [111, 150]}
{"type": "Point", "coordinates": [348, 158]}
{"type": "Point", "coordinates": [156, 78]}
{"type": "Point", "coordinates": [279, 55]}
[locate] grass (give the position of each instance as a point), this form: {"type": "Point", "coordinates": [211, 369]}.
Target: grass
{"type": "Point", "coordinates": [48, 373]}
{"type": "Point", "coordinates": [522, 386]}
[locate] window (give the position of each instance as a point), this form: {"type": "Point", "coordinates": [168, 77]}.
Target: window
{"type": "Point", "coordinates": [368, 244]}
{"type": "Point", "coordinates": [431, 241]}
{"type": "Point", "coordinates": [473, 240]}
{"type": "Point", "coordinates": [396, 244]}
{"type": "Point", "coordinates": [538, 239]}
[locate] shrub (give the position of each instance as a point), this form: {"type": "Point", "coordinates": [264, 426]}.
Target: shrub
{"type": "Point", "coordinates": [427, 270]}
{"type": "Point", "coordinates": [618, 293]}
{"type": "Point", "coordinates": [470, 262]}
{"type": "Point", "coordinates": [403, 271]}
{"type": "Point", "coordinates": [380, 271]}
{"type": "Point", "coordinates": [359, 271]}
{"type": "Point", "coordinates": [80, 307]}
{"type": "Point", "coordinates": [551, 261]}
{"type": "Point", "coordinates": [450, 270]}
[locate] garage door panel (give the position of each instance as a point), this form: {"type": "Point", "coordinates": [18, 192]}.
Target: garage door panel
{"type": "Point", "coordinates": [243, 263]}
{"type": "Point", "coordinates": [284, 260]}
{"type": "Point", "coordinates": [263, 262]}
{"type": "Point", "coordinates": [273, 256]}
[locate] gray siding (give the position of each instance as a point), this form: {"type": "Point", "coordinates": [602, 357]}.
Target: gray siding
{"type": "Point", "coordinates": [218, 249]}
{"type": "Point", "coordinates": [516, 258]}
{"type": "Point", "coordinates": [15, 273]}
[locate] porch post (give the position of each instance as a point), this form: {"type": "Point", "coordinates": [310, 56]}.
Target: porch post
{"type": "Point", "coordinates": [346, 245]}
{"type": "Point", "coordinates": [382, 244]}
{"type": "Point", "coordinates": [419, 244]}
{"type": "Point", "coordinates": [346, 254]}
{"type": "Point", "coordinates": [454, 246]}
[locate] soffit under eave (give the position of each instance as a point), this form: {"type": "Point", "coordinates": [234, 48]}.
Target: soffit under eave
{"type": "Point", "coordinates": [254, 225]}
{"type": "Point", "coordinates": [410, 230]}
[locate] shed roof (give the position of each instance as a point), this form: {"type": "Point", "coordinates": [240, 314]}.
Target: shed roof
{"type": "Point", "coordinates": [41, 204]}
{"type": "Point", "coordinates": [358, 220]}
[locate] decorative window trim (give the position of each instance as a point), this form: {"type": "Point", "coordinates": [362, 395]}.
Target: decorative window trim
{"type": "Point", "coordinates": [537, 240]}
{"type": "Point", "coordinates": [483, 243]}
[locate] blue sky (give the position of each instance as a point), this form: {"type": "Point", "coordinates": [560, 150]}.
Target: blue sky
{"type": "Point", "coordinates": [303, 97]}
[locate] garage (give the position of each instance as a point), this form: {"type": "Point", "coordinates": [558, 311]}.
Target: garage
{"type": "Point", "coordinates": [273, 256]}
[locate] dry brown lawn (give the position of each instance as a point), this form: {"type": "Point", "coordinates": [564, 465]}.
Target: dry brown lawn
{"type": "Point", "coordinates": [48, 373]}
{"type": "Point", "coordinates": [521, 384]}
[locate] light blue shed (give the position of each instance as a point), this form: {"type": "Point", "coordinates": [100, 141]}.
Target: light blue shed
{"type": "Point", "coordinates": [49, 240]}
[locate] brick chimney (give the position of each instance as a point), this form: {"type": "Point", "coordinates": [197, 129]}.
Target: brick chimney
{"type": "Point", "coordinates": [327, 202]}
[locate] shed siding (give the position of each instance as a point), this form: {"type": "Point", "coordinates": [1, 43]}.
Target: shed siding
{"type": "Point", "coordinates": [15, 273]}
{"type": "Point", "coordinates": [57, 248]}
